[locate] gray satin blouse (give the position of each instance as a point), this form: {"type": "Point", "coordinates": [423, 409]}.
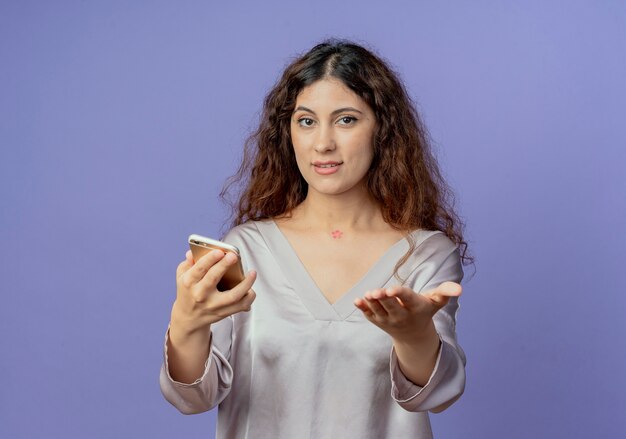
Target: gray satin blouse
{"type": "Point", "coordinates": [296, 366]}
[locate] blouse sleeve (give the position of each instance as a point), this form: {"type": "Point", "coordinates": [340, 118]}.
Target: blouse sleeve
{"type": "Point", "coordinates": [446, 384]}
{"type": "Point", "coordinates": [213, 386]}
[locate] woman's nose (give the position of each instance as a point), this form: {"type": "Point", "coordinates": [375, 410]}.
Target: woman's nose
{"type": "Point", "coordinates": [325, 141]}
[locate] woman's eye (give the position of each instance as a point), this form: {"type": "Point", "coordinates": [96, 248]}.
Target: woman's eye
{"type": "Point", "coordinates": [347, 120]}
{"type": "Point", "coordinates": [305, 122]}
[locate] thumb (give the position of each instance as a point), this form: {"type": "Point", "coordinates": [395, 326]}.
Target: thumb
{"type": "Point", "coordinates": [185, 265]}
{"type": "Point", "coordinates": [443, 292]}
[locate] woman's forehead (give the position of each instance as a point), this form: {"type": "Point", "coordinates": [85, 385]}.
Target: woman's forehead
{"type": "Point", "coordinates": [328, 93]}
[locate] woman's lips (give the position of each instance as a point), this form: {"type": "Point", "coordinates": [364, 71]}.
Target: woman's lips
{"type": "Point", "coordinates": [326, 168]}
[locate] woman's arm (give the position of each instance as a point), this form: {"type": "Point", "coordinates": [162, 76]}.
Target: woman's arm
{"type": "Point", "coordinates": [196, 376]}
{"type": "Point", "coordinates": [427, 365]}
{"type": "Point", "coordinates": [203, 390]}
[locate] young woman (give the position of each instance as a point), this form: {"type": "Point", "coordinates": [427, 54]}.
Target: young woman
{"type": "Point", "coordinates": [355, 255]}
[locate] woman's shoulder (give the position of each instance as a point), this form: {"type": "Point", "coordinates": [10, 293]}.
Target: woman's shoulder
{"type": "Point", "coordinates": [248, 232]}
{"type": "Point", "coordinates": [434, 252]}
{"type": "Point", "coordinates": [435, 240]}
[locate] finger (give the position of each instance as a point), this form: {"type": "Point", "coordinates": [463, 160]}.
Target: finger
{"type": "Point", "coordinates": [451, 289]}
{"type": "Point", "coordinates": [386, 300]}
{"type": "Point", "coordinates": [374, 304]}
{"type": "Point", "coordinates": [247, 300]}
{"type": "Point", "coordinates": [407, 298]}
{"type": "Point", "coordinates": [216, 272]}
{"type": "Point", "coordinates": [376, 294]}
{"type": "Point", "coordinates": [391, 305]}
{"type": "Point", "coordinates": [362, 305]}
{"type": "Point", "coordinates": [182, 267]}
{"type": "Point", "coordinates": [242, 289]}
{"type": "Point", "coordinates": [440, 295]}
{"type": "Point", "coordinates": [201, 267]}
{"type": "Point", "coordinates": [224, 299]}
{"type": "Point", "coordinates": [189, 256]}
{"type": "Point", "coordinates": [243, 305]}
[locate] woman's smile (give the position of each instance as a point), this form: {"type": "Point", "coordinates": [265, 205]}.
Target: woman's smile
{"type": "Point", "coordinates": [326, 168]}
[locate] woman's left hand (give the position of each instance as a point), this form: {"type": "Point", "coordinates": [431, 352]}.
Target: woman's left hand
{"type": "Point", "coordinates": [403, 313]}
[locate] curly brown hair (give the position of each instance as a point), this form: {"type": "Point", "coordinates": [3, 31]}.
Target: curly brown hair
{"type": "Point", "coordinates": [404, 177]}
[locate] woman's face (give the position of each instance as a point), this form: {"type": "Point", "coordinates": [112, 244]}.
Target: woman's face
{"type": "Point", "coordinates": [332, 132]}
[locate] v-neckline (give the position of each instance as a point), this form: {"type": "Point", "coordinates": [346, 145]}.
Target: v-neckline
{"type": "Point", "coordinates": [377, 276]}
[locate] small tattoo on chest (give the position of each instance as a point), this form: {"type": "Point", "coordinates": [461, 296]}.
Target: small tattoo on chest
{"type": "Point", "coordinates": [336, 234]}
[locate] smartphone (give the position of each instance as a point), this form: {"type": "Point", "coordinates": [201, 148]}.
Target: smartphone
{"type": "Point", "coordinates": [201, 245]}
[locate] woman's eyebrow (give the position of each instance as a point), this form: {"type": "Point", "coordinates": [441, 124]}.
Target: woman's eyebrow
{"type": "Point", "coordinates": [338, 110]}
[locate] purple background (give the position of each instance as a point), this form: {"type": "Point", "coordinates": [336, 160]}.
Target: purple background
{"type": "Point", "coordinates": [119, 121]}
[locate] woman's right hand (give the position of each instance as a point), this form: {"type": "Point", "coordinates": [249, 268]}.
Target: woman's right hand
{"type": "Point", "coordinates": [198, 302]}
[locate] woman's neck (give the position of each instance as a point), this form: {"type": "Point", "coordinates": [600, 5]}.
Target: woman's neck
{"type": "Point", "coordinates": [344, 212]}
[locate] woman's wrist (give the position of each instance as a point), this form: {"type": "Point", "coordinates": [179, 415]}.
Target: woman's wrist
{"type": "Point", "coordinates": [181, 337]}
{"type": "Point", "coordinates": [187, 353]}
{"type": "Point", "coordinates": [182, 333]}
{"type": "Point", "coordinates": [412, 337]}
